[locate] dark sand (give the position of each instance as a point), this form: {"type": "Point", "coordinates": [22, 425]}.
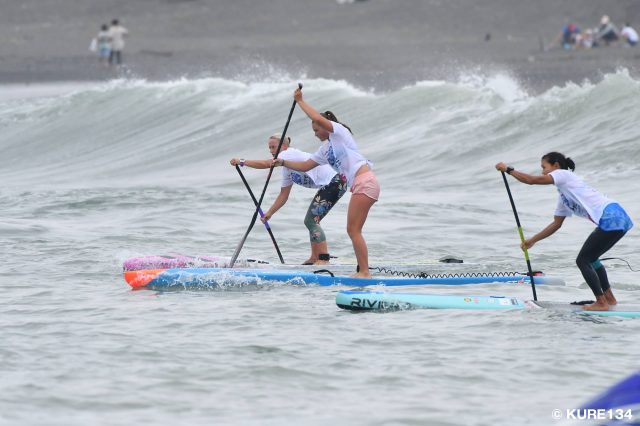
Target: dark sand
{"type": "Point", "coordinates": [382, 44]}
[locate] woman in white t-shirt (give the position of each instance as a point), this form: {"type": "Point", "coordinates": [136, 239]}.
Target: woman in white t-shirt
{"type": "Point", "coordinates": [340, 151]}
{"type": "Point", "coordinates": [331, 187]}
{"type": "Point", "coordinates": [576, 197]}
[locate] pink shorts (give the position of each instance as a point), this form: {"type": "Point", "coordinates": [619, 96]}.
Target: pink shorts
{"type": "Point", "coordinates": [366, 184]}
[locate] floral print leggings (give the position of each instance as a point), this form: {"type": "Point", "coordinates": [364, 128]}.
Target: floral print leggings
{"type": "Point", "coordinates": [324, 200]}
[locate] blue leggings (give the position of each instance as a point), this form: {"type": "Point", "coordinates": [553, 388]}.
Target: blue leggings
{"type": "Point", "coordinates": [594, 273]}
{"type": "Point", "coordinates": [324, 200]}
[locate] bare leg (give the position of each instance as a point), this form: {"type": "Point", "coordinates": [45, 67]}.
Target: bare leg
{"type": "Point", "coordinates": [356, 216]}
{"type": "Point", "coordinates": [609, 297]}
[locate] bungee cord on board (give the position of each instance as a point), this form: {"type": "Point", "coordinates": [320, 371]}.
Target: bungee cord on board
{"type": "Point", "coordinates": [619, 258]}
{"type": "Point", "coordinates": [393, 272]}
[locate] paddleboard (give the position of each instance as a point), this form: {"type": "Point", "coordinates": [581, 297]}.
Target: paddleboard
{"type": "Point", "coordinates": [224, 277]}
{"type": "Point", "coordinates": [380, 301]}
{"type": "Point", "coordinates": [187, 261]}
{"type": "Point", "coordinates": [620, 403]}
{"type": "Point", "coordinates": [355, 300]}
{"type": "Point", "coordinates": [620, 310]}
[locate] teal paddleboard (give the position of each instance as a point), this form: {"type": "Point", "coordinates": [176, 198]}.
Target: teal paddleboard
{"type": "Point", "coordinates": [356, 300]}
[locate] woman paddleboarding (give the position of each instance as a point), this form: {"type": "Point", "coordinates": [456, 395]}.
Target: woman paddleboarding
{"type": "Point", "coordinates": [331, 187]}
{"type": "Point", "coordinates": [576, 197]}
{"type": "Point", "coordinates": [340, 151]}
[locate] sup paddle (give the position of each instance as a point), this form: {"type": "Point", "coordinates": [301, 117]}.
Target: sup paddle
{"type": "Point", "coordinates": [264, 190]}
{"type": "Point", "coordinates": [266, 223]}
{"type": "Point", "coordinates": [526, 252]}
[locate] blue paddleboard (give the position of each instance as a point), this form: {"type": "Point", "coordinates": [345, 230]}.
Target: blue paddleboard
{"type": "Point", "coordinates": [211, 277]}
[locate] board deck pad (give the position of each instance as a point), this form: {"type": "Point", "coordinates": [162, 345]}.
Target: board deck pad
{"type": "Point", "coordinates": [212, 261]}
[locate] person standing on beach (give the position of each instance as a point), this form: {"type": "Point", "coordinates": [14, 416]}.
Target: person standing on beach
{"type": "Point", "coordinates": [118, 33]}
{"type": "Point", "coordinates": [104, 44]}
{"type": "Point", "coordinates": [576, 197]}
{"type": "Point", "coordinates": [340, 151]}
{"type": "Point", "coordinates": [331, 187]}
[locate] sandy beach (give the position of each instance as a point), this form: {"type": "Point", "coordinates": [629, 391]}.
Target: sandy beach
{"type": "Point", "coordinates": [382, 44]}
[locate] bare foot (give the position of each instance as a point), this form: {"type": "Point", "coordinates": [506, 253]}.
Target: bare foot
{"type": "Point", "coordinates": [600, 305]}
{"type": "Point", "coordinates": [610, 298]}
{"type": "Point", "coordinates": [310, 261]}
{"type": "Point", "coordinates": [361, 275]}
{"type": "Point", "coordinates": [321, 262]}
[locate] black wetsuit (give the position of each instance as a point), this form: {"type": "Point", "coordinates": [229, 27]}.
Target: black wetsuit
{"type": "Point", "coordinates": [594, 273]}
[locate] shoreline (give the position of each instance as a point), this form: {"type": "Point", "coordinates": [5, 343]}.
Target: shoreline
{"type": "Point", "coordinates": [377, 45]}
{"type": "Point", "coordinates": [534, 72]}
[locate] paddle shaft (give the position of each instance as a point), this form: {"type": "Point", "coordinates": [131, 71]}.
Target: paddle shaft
{"type": "Point", "coordinates": [526, 252]}
{"type": "Point", "coordinates": [264, 190]}
{"type": "Point", "coordinates": [266, 223]}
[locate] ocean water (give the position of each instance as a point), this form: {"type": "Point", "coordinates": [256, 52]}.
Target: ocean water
{"type": "Point", "coordinates": [95, 173]}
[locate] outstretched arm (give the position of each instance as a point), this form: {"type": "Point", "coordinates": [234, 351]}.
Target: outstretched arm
{"type": "Point", "coordinates": [254, 164]}
{"type": "Point", "coordinates": [526, 178]}
{"type": "Point", "coordinates": [299, 166]}
{"type": "Point", "coordinates": [314, 115]}
{"type": "Point", "coordinates": [546, 232]}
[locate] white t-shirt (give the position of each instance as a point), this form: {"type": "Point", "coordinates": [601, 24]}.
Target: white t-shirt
{"type": "Point", "coordinates": [314, 178]}
{"type": "Point", "coordinates": [630, 34]}
{"type": "Point", "coordinates": [104, 39]}
{"type": "Point", "coordinates": [117, 36]}
{"type": "Point", "coordinates": [576, 197]}
{"type": "Point", "coordinates": [340, 151]}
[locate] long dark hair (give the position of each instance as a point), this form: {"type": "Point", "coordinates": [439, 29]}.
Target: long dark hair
{"type": "Point", "coordinates": [564, 162]}
{"type": "Point", "coordinates": [332, 117]}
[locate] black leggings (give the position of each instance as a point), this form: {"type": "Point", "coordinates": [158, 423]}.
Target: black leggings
{"type": "Point", "coordinates": [598, 243]}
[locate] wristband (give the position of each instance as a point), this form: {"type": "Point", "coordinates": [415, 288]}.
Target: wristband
{"type": "Point", "coordinates": [242, 162]}
{"type": "Point", "coordinates": [509, 170]}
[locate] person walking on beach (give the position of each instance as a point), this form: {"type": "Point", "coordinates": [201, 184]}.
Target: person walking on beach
{"type": "Point", "coordinates": [118, 33]}
{"type": "Point", "coordinates": [576, 197]}
{"type": "Point", "coordinates": [331, 187]}
{"type": "Point", "coordinates": [340, 151]}
{"type": "Point", "coordinates": [103, 41]}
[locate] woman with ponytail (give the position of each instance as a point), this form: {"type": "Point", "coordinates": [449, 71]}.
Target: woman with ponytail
{"type": "Point", "coordinates": [576, 197]}
{"type": "Point", "coordinates": [331, 187]}
{"type": "Point", "coordinates": [340, 151]}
